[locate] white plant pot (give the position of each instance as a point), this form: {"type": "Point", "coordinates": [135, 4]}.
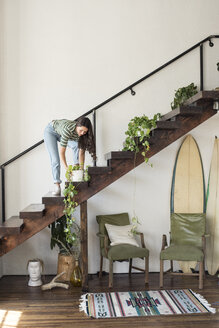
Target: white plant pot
{"type": "Point", "coordinates": [77, 175]}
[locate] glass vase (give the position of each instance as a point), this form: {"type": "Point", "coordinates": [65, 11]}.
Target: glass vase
{"type": "Point", "coordinates": [76, 276]}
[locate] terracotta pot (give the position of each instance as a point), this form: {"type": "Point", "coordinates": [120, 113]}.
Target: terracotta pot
{"type": "Point", "coordinates": [65, 263]}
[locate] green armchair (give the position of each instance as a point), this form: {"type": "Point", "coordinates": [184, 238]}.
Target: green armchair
{"type": "Point", "coordinates": [187, 243]}
{"type": "Point", "coordinates": [120, 251]}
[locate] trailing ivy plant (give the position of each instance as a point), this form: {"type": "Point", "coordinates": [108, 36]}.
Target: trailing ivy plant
{"type": "Point", "coordinates": [135, 223]}
{"type": "Point", "coordinates": [86, 175]}
{"type": "Point", "coordinates": [138, 133]}
{"type": "Point", "coordinates": [65, 232]}
{"type": "Point", "coordinates": [58, 237]}
{"type": "Point", "coordinates": [70, 192]}
{"type": "Point", "coordinates": [182, 94]}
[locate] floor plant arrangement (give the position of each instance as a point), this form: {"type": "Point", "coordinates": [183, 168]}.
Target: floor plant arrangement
{"type": "Point", "coordinates": [65, 232]}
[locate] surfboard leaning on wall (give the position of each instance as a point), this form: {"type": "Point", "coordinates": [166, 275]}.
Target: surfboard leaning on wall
{"type": "Point", "coordinates": [188, 186]}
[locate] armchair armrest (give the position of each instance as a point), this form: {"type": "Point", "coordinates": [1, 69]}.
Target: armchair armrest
{"type": "Point", "coordinates": [106, 241]}
{"type": "Point", "coordinates": [142, 238]}
{"type": "Point", "coordinates": [100, 235]}
{"type": "Point", "coordinates": [164, 242]}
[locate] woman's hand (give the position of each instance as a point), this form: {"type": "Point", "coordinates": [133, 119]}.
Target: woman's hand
{"type": "Point", "coordinates": [81, 158]}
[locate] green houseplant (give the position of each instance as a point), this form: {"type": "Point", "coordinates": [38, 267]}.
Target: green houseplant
{"type": "Point", "coordinates": [67, 237]}
{"type": "Point", "coordinates": [75, 173]}
{"type": "Point", "coordinates": [138, 133]}
{"type": "Point", "coordinates": [59, 237]}
{"type": "Point", "coordinates": [182, 94]}
{"type": "Point", "coordinates": [65, 233]}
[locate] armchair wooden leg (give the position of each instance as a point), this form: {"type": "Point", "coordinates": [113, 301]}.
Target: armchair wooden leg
{"type": "Point", "coordinates": [111, 273]}
{"type": "Point", "coordinates": [101, 266]}
{"type": "Point", "coordinates": [201, 268]}
{"type": "Point", "coordinates": [161, 273]}
{"type": "Point", "coordinates": [130, 266]}
{"type": "Point", "coordinates": [171, 265]}
{"type": "Point", "coordinates": [146, 270]}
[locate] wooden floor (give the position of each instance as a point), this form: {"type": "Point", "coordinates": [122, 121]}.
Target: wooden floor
{"type": "Point", "coordinates": [23, 306]}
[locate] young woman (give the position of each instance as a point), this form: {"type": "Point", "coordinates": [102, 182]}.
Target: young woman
{"type": "Point", "coordinates": [77, 135]}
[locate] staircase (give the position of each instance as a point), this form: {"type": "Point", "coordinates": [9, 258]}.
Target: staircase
{"type": "Point", "coordinates": [36, 217]}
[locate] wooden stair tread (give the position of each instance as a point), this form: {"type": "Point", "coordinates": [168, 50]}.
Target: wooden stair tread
{"type": "Point", "coordinates": [204, 96]}
{"type": "Point", "coordinates": [50, 199]}
{"type": "Point", "coordinates": [119, 155]}
{"type": "Point", "coordinates": [184, 111]}
{"type": "Point", "coordinates": [11, 226]}
{"type": "Point", "coordinates": [168, 125]}
{"type": "Point", "coordinates": [33, 211]}
{"type": "Point", "coordinates": [99, 170]}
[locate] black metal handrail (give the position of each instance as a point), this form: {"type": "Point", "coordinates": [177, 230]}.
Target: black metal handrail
{"type": "Point", "coordinates": [129, 88]}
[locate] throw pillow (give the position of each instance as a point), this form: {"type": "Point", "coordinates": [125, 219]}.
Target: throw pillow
{"type": "Point", "coordinates": [120, 235]}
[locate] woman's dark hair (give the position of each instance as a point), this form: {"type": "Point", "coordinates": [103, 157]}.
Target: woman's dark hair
{"type": "Point", "coordinates": [86, 142]}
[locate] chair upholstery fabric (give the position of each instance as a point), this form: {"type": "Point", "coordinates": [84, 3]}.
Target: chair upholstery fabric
{"type": "Point", "coordinates": [187, 229]}
{"type": "Point", "coordinates": [182, 253]}
{"type": "Point", "coordinates": [125, 251]}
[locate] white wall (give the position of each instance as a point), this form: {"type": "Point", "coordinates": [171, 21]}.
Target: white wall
{"type": "Point", "coordinates": [60, 58]}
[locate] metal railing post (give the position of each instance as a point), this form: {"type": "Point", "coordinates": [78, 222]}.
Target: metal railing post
{"type": "Point", "coordinates": [201, 68]}
{"type": "Point", "coordinates": [95, 131]}
{"type": "Point", "coordinates": [3, 192]}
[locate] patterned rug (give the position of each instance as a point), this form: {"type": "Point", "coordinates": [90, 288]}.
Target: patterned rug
{"type": "Point", "coordinates": [144, 303]}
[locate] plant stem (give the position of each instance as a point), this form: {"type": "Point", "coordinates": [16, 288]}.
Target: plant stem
{"type": "Point", "coordinates": [61, 243]}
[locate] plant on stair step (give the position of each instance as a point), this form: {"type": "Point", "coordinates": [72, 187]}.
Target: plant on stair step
{"type": "Point", "coordinates": [86, 175]}
{"type": "Point", "coordinates": [182, 94]}
{"type": "Point", "coordinates": [74, 173]}
{"type": "Point", "coordinates": [138, 134]}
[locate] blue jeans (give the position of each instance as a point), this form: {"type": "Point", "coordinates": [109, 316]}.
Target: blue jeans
{"type": "Point", "coordinates": [51, 138]}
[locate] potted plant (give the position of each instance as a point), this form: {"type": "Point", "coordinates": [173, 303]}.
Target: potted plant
{"type": "Point", "coordinates": [68, 240]}
{"type": "Point", "coordinates": [138, 133]}
{"type": "Point", "coordinates": [182, 94]}
{"type": "Point", "coordinates": [75, 173]}
{"type": "Point", "coordinates": [65, 233]}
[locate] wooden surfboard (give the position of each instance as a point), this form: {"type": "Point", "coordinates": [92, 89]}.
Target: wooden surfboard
{"type": "Point", "coordinates": [188, 187]}
{"type": "Point", "coordinates": [212, 214]}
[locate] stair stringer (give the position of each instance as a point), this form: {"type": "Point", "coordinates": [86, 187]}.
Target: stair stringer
{"type": "Point", "coordinates": [31, 227]}
{"type": "Point", "coordinates": [122, 167]}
